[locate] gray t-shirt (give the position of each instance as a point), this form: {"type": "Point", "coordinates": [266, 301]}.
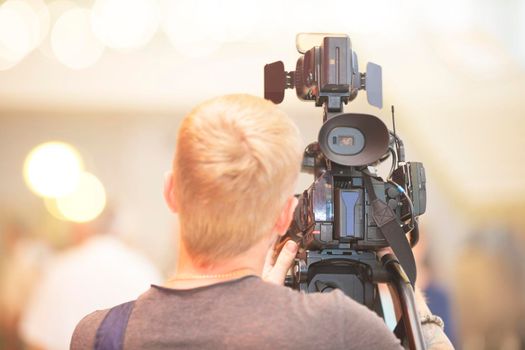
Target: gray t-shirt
{"type": "Point", "coordinates": [246, 313]}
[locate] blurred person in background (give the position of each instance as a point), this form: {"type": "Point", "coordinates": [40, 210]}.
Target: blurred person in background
{"type": "Point", "coordinates": [96, 272]}
{"type": "Point", "coordinates": [490, 281]}
{"type": "Point", "coordinates": [21, 260]}
{"type": "Point", "coordinates": [235, 169]}
{"type": "Point", "coordinates": [437, 295]}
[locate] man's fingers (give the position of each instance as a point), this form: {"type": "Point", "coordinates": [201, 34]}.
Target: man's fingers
{"type": "Point", "coordinates": [269, 260]}
{"type": "Point", "coordinates": [283, 263]}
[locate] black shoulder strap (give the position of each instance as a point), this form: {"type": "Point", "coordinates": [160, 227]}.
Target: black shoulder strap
{"type": "Point", "coordinates": [110, 333]}
{"type": "Point", "coordinates": [386, 221]}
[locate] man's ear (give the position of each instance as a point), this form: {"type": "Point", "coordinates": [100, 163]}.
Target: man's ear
{"type": "Point", "coordinates": [169, 192]}
{"type": "Point", "coordinates": [286, 216]}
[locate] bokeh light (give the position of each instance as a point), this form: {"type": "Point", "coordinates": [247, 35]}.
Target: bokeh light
{"type": "Point", "coordinates": [125, 24]}
{"type": "Point", "coordinates": [86, 202]}
{"type": "Point", "coordinates": [73, 41]}
{"type": "Point", "coordinates": [41, 11]}
{"type": "Point", "coordinates": [190, 26]}
{"type": "Point", "coordinates": [30, 18]}
{"type": "Point", "coordinates": [52, 208]}
{"type": "Point", "coordinates": [55, 9]}
{"type": "Point", "coordinates": [20, 32]}
{"type": "Point", "coordinates": [53, 169]}
{"type": "Point", "coordinates": [235, 20]}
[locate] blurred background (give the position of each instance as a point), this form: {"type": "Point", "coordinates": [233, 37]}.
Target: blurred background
{"type": "Point", "coordinates": [92, 93]}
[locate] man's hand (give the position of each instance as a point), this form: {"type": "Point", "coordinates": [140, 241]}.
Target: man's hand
{"type": "Point", "coordinates": [275, 269]}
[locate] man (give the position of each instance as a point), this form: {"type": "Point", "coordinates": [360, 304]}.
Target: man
{"type": "Point", "coordinates": [236, 165]}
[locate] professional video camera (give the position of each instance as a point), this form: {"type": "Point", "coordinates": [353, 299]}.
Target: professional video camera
{"type": "Point", "coordinates": [349, 213]}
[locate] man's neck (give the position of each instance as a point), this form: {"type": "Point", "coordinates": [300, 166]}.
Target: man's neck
{"type": "Point", "coordinates": [192, 275]}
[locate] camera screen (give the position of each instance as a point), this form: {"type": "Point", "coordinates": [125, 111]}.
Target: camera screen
{"type": "Point", "coordinates": [345, 140]}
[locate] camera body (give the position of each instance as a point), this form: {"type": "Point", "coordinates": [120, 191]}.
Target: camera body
{"type": "Point", "coordinates": [335, 211]}
{"type": "Point", "coordinates": [348, 213]}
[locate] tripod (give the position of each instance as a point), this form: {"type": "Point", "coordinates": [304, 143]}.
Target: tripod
{"type": "Point", "coordinates": [357, 274]}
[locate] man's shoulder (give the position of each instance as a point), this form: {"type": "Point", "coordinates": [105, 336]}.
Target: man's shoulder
{"type": "Point", "coordinates": [366, 329]}
{"type": "Point", "coordinates": [337, 319]}
{"type": "Point", "coordinates": [334, 302]}
{"type": "Point", "coordinates": [85, 332]}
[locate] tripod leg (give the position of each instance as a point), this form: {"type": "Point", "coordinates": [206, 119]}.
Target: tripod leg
{"type": "Point", "coordinates": [404, 293]}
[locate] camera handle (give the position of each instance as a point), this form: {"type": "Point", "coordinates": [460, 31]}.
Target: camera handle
{"type": "Point", "coordinates": [409, 325]}
{"type": "Point", "coordinates": [332, 106]}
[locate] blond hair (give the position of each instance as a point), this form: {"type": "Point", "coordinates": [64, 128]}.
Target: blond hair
{"type": "Point", "coordinates": [237, 160]}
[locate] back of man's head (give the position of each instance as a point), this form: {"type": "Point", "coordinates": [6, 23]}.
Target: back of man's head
{"type": "Point", "coordinates": [237, 161]}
